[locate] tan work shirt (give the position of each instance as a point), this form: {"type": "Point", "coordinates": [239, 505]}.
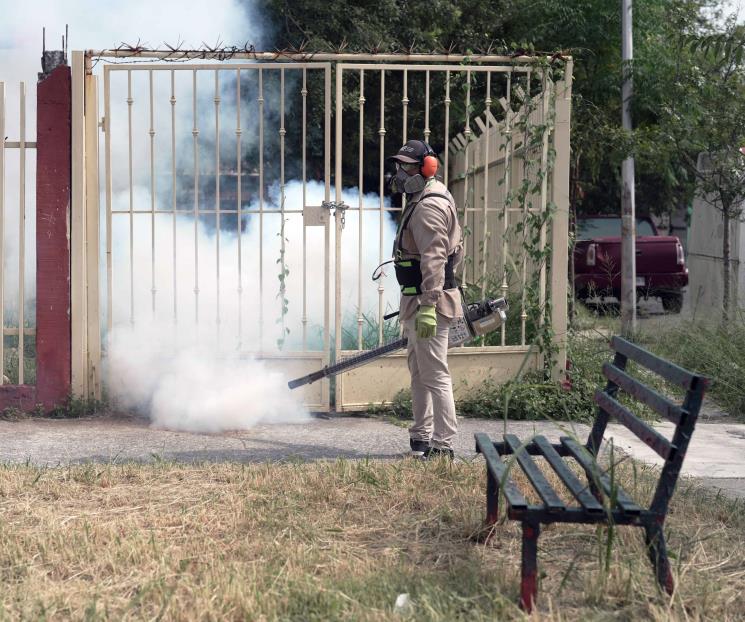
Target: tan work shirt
{"type": "Point", "coordinates": [432, 234]}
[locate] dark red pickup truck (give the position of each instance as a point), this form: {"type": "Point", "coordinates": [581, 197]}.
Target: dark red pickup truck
{"type": "Point", "coordinates": [660, 262]}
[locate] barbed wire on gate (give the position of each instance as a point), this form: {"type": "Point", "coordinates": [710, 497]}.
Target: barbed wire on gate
{"type": "Point", "coordinates": [220, 52]}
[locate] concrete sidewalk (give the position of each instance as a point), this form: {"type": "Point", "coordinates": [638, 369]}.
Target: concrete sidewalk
{"type": "Point", "coordinates": [716, 454]}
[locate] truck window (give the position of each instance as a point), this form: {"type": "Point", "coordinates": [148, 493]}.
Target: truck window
{"type": "Point", "coordinates": [590, 228]}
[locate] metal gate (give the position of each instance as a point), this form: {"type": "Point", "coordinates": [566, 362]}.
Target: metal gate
{"type": "Point", "coordinates": [217, 205]}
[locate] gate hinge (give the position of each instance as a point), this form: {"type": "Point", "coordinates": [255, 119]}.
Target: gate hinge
{"type": "Point", "coordinates": [339, 207]}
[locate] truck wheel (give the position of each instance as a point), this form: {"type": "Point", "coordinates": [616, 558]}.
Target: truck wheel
{"type": "Point", "coordinates": [672, 303]}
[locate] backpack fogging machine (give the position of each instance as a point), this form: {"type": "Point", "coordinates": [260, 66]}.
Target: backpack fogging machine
{"type": "Point", "coordinates": [479, 319]}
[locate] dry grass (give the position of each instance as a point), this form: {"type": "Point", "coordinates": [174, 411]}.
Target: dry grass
{"type": "Point", "coordinates": [337, 540]}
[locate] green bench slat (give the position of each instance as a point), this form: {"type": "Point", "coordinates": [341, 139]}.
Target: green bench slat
{"type": "Point", "coordinates": [669, 371]}
{"type": "Point", "coordinates": [500, 472]}
{"type": "Point", "coordinates": [571, 481]}
{"type": "Point", "coordinates": [594, 474]}
{"type": "Point", "coordinates": [537, 479]}
{"type": "Point", "coordinates": [643, 431]}
{"type": "Point", "coordinates": [661, 405]}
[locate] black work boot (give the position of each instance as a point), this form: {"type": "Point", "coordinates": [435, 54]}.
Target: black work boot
{"type": "Point", "coordinates": [418, 448]}
{"type": "Point", "coordinates": [438, 452]}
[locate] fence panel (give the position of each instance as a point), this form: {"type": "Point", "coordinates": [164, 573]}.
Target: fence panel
{"type": "Point", "coordinates": [17, 347]}
{"type": "Point", "coordinates": [509, 175]}
{"type": "Point", "coordinates": [493, 125]}
{"type": "Point", "coordinates": [202, 148]}
{"type": "Point", "coordinates": [212, 211]}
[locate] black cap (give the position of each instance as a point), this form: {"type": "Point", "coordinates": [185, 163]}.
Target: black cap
{"type": "Point", "coordinates": [412, 152]}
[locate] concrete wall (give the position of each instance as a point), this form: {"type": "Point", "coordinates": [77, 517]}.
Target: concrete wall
{"type": "Point", "coordinates": [705, 260]}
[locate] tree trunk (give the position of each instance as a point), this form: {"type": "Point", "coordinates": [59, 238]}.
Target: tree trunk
{"type": "Point", "coordinates": [726, 265]}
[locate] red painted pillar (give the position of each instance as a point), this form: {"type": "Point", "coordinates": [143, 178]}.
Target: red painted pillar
{"type": "Point", "coordinates": [53, 194]}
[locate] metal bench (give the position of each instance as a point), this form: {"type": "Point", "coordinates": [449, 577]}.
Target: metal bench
{"type": "Point", "coordinates": [600, 500]}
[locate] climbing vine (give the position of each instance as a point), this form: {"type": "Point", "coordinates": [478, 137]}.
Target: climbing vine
{"type": "Point", "coordinates": [527, 260]}
{"type": "Point", "coordinates": [282, 275]}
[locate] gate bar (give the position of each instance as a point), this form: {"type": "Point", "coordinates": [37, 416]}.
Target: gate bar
{"type": "Point", "coordinates": [507, 181]}
{"type": "Point", "coordinates": [21, 233]}
{"type": "Point", "coordinates": [447, 125]}
{"type": "Point", "coordinates": [173, 193]}
{"type": "Point", "coordinates": [325, 391]}
{"type": "Point", "coordinates": [467, 134]}
{"type": "Point", "coordinates": [525, 111]}
{"type": "Point", "coordinates": [360, 240]}
{"type": "Point", "coordinates": [2, 231]}
{"type": "Point", "coordinates": [130, 103]}
{"type": "Point", "coordinates": [195, 136]}
{"type": "Point", "coordinates": [381, 133]}
{"type": "Point", "coordinates": [304, 319]}
{"type": "Point", "coordinates": [109, 207]}
{"type": "Point", "coordinates": [485, 237]}
{"type": "Point", "coordinates": [282, 248]}
{"type": "Point", "coordinates": [426, 107]}
{"type": "Point", "coordinates": [151, 133]}
{"type": "Point", "coordinates": [217, 205]}
{"type": "Point", "coordinates": [261, 209]}
{"type": "Point", "coordinates": [545, 101]}
{"type": "Point", "coordinates": [238, 201]}
{"type": "Point", "coordinates": [337, 216]}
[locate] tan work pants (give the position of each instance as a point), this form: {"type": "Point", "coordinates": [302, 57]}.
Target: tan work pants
{"type": "Point", "coordinates": [431, 386]}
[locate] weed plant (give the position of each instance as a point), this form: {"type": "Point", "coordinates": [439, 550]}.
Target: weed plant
{"type": "Point", "coordinates": [370, 333]}
{"type": "Point", "coordinates": [529, 396]}
{"type": "Point", "coordinates": [11, 362]}
{"type": "Point", "coordinates": [716, 350]}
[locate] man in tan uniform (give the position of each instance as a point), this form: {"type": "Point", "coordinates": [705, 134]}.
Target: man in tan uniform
{"type": "Point", "coordinates": [427, 250]}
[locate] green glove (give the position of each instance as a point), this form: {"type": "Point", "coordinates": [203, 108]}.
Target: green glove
{"type": "Point", "coordinates": [426, 322]}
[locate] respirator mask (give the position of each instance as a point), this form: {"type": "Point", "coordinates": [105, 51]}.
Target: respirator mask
{"type": "Point", "coordinates": [403, 182]}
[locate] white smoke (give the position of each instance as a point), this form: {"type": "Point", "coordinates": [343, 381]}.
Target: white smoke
{"type": "Point", "coordinates": [198, 371]}
{"type": "Point", "coordinates": [92, 25]}
{"type": "Point", "coordinates": [184, 384]}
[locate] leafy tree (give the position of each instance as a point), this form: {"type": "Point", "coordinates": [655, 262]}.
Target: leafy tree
{"type": "Point", "coordinates": [704, 113]}
{"type": "Point", "coordinates": [588, 30]}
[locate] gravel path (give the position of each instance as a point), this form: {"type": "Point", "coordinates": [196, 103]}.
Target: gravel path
{"type": "Point", "coordinates": [716, 452]}
{"type": "Point", "coordinates": [58, 442]}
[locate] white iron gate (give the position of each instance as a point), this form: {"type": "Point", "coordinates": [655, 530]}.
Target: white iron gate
{"type": "Point", "coordinates": [218, 213]}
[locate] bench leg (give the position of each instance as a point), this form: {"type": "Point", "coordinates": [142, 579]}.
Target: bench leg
{"type": "Point", "coordinates": [655, 540]}
{"type": "Point", "coordinates": [492, 499]}
{"type": "Point", "coordinates": [529, 571]}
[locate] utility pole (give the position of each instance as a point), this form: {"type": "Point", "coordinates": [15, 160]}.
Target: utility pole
{"type": "Point", "coordinates": [628, 208]}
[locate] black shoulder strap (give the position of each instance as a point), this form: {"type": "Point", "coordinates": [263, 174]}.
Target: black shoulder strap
{"type": "Point", "coordinates": [410, 212]}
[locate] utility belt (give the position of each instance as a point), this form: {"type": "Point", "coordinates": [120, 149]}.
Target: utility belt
{"type": "Point", "coordinates": [409, 275]}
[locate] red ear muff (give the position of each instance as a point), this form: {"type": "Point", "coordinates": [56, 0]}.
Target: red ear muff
{"type": "Point", "coordinates": [429, 166]}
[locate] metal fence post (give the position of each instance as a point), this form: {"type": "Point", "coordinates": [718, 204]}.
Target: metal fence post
{"type": "Point", "coordinates": [560, 222]}
{"type": "Point", "coordinates": [92, 235]}
{"type": "Point", "coordinates": [78, 310]}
